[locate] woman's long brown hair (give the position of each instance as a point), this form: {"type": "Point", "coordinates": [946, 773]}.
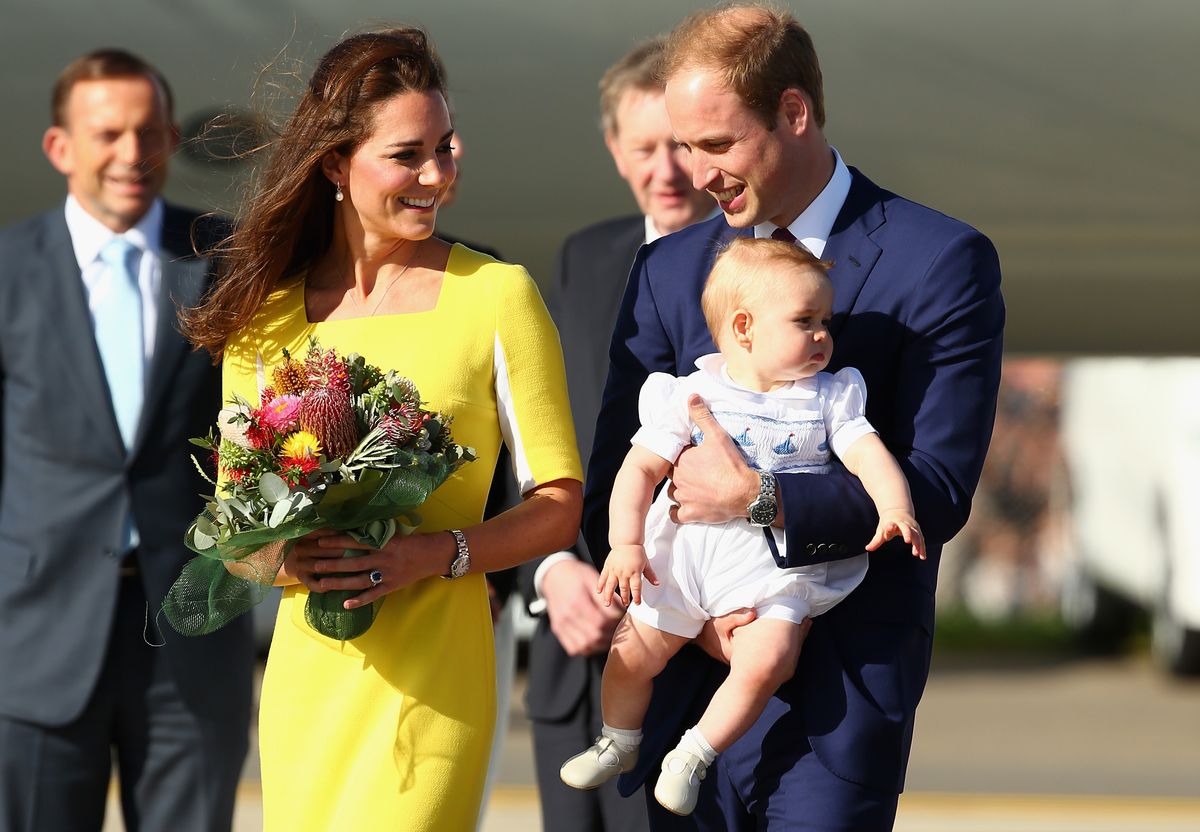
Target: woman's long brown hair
{"type": "Point", "coordinates": [286, 223]}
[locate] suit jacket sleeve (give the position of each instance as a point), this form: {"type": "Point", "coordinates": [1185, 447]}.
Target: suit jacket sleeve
{"type": "Point", "coordinates": [640, 346]}
{"type": "Point", "coordinates": [947, 378]}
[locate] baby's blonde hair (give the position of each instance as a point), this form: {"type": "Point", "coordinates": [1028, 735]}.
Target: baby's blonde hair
{"type": "Point", "coordinates": [739, 276]}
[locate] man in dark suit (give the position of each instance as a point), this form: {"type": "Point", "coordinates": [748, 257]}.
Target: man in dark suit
{"type": "Point", "coordinates": [918, 311]}
{"type": "Point", "coordinates": [571, 640]}
{"type": "Point", "coordinates": [98, 395]}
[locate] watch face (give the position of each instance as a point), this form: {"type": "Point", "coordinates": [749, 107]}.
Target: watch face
{"type": "Point", "coordinates": [461, 565]}
{"type": "Point", "coordinates": [762, 512]}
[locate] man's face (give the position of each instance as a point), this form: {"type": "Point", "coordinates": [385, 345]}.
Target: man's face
{"type": "Point", "coordinates": [654, 165]}
{"type": "Point", "coordinates": [113, 148]}
{"type": "Point", "coordinates": [747, 168]}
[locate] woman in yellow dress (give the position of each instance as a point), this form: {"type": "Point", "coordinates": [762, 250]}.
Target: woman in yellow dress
{"type": "Point", "coordinates": [391, 730]}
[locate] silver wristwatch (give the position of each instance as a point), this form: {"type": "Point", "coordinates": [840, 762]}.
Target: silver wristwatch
{"type": "Point", "coordinates": [461, 564]}
{"type": "Point", "coordinates": [764, 507]}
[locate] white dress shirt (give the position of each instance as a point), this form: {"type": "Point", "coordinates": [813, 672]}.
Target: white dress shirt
{"type": "Point", "coordinates": [89, 236]}
{"type": "Point", "coordinates": [812, 228]}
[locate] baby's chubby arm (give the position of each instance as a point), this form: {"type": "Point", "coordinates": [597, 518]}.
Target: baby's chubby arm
{"type": "Point", "coordinates": [869, 460]}
{"type": "Point", "coordinates": [632, 492]}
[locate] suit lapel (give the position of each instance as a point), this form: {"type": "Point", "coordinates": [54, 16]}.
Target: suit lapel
{"type": "Point", "coordinates": [610, 279]}
{"type": "Point", "coordinates": [182, 285]}
{"type": "Point", "coordinates": [65, 301]}
{"type": "Point", "coordinates": [850, 247]}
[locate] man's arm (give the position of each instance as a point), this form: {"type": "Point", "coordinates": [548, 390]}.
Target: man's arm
{"type": "Point", "coordinates": [947, 377]}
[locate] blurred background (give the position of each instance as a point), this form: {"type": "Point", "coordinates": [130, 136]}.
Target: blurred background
{"type": "Point", "coordinates": [1066, 130]}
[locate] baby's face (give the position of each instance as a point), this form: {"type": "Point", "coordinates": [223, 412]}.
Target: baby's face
{"type": "Point", "coordinates": [790, 333]}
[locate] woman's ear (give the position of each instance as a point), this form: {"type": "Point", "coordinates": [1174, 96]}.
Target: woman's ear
{"type": "Point", "coordinates": [335, 166]}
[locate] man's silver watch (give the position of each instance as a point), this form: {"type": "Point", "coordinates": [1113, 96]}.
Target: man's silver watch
{"type": "Point", "coordinates": [461, 564]}
{"type": "Point", "coordinates": [764, 507]}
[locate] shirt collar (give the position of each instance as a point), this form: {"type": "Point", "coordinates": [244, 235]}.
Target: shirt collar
{"type": "Point", "coordinates": [652, 232]}
{"type": "Point", "coordinates": [815, 223]}
{"type": "Point", "coordinates": [89, 236]}
{"type": "Point", "coordinates": [713, 365]}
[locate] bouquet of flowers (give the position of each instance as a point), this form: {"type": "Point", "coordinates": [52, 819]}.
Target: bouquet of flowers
{"type": "Point", "coordinates": [333, 443]}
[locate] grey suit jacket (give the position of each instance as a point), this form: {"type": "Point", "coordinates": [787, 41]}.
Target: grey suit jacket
{"type": "Point", "coordinates": [589, 281]}
{"type": "Point", "coordinates": [66, 481]}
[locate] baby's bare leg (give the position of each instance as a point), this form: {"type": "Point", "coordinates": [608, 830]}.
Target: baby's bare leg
{"type": "Point", "coordinates": [764, 654]}
{"type": "Point", "coordinates": [638, 654]}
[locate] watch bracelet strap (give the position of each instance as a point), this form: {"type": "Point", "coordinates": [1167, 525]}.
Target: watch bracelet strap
{"type": "Point", "coordinates": [767, 486]}
{"type": "Point", "coordinates": [460, 550]}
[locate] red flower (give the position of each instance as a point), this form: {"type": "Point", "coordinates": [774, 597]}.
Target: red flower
{"type": "Point", "coordinates": [238, 475]}
{"type": "Point", "coordinates": [296, 469]}
{"type": "Point", "coordinates": [260, 435]}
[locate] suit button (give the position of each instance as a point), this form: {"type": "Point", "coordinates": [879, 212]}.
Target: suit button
{"type": "Point", "coordinates": [822, 548]}
{"type": "Point", "coordinates": [842, 549]}
{"type": "Point", "coordinates": [810, 550]}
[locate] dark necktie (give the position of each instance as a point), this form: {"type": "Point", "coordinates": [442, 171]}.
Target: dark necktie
{"type": "Point", "coordinates": [784, 235]}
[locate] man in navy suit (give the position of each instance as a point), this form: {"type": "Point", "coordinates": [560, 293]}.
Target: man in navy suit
{"type": "Point", "coordinates": [918, 311]}
{"type": "Point", "coordinates": [99, 393]}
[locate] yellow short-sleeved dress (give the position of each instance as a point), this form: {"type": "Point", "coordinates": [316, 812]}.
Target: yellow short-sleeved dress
{"type": "Point", "coordinates": [391, 731]}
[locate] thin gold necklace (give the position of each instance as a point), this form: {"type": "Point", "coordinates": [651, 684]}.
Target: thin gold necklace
{"type": "Point", "coordinates": [391, 284]}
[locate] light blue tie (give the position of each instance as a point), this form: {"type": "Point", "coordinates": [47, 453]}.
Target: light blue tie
{"type": "Point", "coordinates": [117, 315]}
{"type": "Point", "coordinates": [118, 318]}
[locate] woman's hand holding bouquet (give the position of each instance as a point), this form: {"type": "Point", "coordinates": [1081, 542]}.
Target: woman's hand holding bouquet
{"type": "Point", "coordinates": [334, 443]}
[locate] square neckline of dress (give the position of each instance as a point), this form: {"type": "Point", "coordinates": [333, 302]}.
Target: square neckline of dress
{"type": "Point", "coordinates": [446, 272]}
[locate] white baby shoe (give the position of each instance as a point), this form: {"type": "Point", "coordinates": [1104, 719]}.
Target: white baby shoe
{"type": "Point", "coordinates": [599, 764]}
{"type": "Point", "coordinates": [679, 783]}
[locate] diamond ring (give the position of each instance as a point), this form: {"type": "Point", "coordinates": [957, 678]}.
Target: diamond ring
{"type": "Point", "coordinates": [376, 577]}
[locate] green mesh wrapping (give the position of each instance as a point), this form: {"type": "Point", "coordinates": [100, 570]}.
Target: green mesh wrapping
{"type": "Point", "coordinates": [229, 578]}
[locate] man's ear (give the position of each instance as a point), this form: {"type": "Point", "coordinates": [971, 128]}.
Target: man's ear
{"type": "Point", "coordinates": [614, 149]}
{"type": "Point", "coordinates": [56, 144]}
{"type": "Point", "coordinates": [795, 111]}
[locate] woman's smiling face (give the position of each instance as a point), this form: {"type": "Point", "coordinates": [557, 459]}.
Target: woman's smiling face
{"type": "Point", "coordinates": [396, 178]}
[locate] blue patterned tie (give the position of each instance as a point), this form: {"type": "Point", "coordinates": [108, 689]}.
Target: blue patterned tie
{"type": "Point", "coordinates": [117, 315]}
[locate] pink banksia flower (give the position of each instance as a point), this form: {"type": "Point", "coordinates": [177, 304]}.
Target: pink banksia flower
{"type": "Point", "coordinates": [326, 412]}
{"type": "Point", "coordinates": [326, 370]}
{"type": "Point", "coordinates": [402, 422]}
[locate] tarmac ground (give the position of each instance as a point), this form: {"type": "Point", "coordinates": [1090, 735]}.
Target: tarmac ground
{"type": "Point", "coordinates": [1064, 746]}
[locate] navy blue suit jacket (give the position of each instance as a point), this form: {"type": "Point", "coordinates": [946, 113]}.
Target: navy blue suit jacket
{"type": "Point", "coordinates": [918, 311]}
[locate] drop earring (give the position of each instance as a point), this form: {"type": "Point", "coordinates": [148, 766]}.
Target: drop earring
{"type": "Point", "coordinates": [337, 194]}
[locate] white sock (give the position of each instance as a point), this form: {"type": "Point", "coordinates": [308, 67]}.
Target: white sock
{"type": "Point", "coordinates": [626, 740]}
{"type": "Point", "coordinates": [693, 742]}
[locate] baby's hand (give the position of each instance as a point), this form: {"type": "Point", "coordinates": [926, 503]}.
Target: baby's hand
{"type": "Point", "coordinates": [898, 521]}
{"type": "Point", "coordinates": [624, 568]}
